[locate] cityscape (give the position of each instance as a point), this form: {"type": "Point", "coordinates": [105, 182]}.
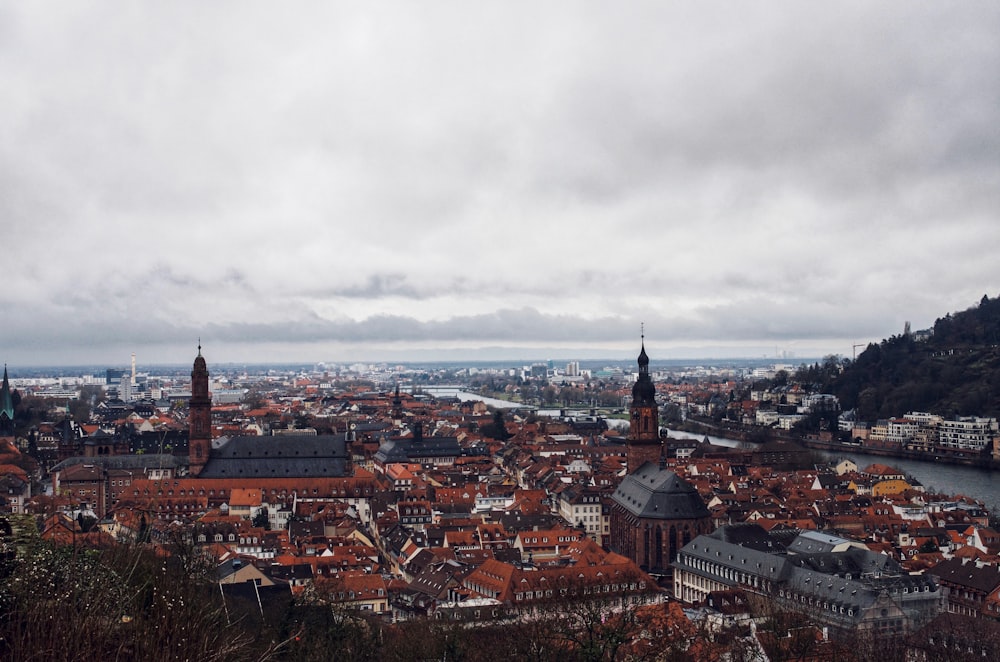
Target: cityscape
{"type": "Point", "coordinates": [481, 497]}
{"type": "Point", "coordinates": [478, 332]}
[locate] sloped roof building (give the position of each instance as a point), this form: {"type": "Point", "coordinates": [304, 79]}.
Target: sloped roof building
{"type": "Point", "coordinates": [655, 512]}
{"type": "Point", "coordinates": [419, 449]}
{"type": "Point", "coordinates": [842, 585]}
{"type": "Point", "coordinates": [283, 456]}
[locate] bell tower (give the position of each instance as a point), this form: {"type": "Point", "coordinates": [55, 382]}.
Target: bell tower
{"type": "Point", "coordinates": [643, 443]}
{"type": "Point", "coordinates": [199, 416]}
{"type": "Point", "coordinates": [6, 407]}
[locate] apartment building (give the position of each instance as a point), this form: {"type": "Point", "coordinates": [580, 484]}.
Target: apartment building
{"type": "Point", "coordinates": [967, 433]}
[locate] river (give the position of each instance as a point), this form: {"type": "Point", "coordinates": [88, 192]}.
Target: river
{"type": "Point", "coordinates": [464, 396]}
{"type": "Point", "coordinates": [935, 477]}
{"type": "Point", "coordinates": [945, 478]}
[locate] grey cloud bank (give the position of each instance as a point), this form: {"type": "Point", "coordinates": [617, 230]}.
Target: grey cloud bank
{"type": "Point", "coordinates": [347, 182]}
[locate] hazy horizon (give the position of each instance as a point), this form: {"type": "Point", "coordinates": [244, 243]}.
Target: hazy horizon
{"type": "Point", "coordinates": [560, 359]}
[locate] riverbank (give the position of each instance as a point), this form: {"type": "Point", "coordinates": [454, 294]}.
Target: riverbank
{"type": "Point", "coordinates": [957, 458]}
{"type": "Point", "coordinates": [936, 476]}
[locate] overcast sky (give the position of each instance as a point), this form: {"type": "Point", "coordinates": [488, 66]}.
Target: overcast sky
{"type": "Point", "coordinates": [382, 181]}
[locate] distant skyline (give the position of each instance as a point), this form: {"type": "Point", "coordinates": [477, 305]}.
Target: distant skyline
{"type": "Point", "coordinates": [485, 356]}
{"type": "Point", "coordinates": [415, 181]}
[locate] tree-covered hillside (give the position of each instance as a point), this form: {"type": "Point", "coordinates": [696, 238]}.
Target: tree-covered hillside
{"type": "Point", "coordinates": [954, 372]}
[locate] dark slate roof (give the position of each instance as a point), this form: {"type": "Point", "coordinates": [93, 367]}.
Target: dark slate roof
{"type": "Point", "coordinates": [852, 578]}
{"type": "Point", "coordinates": [408, 449]}
{"type": "Point", "coordinates": [284, 456]}
{"type": "Point", "coordinates": [714, 547]}
{"type": "Point", "coordinates": [140, 461]}
{"type": "Point", "coordinates": [515, 522]}
{"type": "Point", "coordinates": [228, 568]}
{"type": "Point", "coordinates": [655, 493]}
{"type": "Point", "coordinates": [967, 574]}
{"type": "Point", "coordinates": [302, 530]}
{"type": "Point", "coordinates": [291, 572]}
{"type": "Point", "coordinates": [830, 481]}
{"type": "Point", "coordinates": [750, 535]}
{"type": "Point", "coordinates": [854, 561]}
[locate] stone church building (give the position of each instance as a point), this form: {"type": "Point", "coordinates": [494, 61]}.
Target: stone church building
{"type": "Point", "coordinates": [654, 512]}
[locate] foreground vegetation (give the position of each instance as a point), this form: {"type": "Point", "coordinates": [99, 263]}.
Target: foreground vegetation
{"type": "Point", "coordinates": [61, 602]}
{"type": "Point", "coordinates": [137, 602]}
{"type": "Point", "coordinates": [150, 602]}
{"type": "Point", "coordinates": [140, 602]}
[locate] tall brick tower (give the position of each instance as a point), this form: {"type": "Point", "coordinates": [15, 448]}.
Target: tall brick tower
{"type": "Point", "coordinates": [199, 416]}
{"type": "Point", "coordinates": [644, 443]}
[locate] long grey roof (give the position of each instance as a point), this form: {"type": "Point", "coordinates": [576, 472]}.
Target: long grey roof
{"type": "Point", "coordinates": [855, 562]}
{"type": "Point", "coordinates": [652, 492]}
{"type": "Point", "coordinates": [852, 578]}
{"type": "Point", "coordinates": [752, 535]}
{"type": "Point", "coordinates": [281, 456]}
{"type": "Point", "coordinates": [139, 461]}
{"type": "Point", "coordinates": [407, 449]}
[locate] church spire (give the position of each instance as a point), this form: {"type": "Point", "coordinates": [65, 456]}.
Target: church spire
{"type": "Point", "coordinates": [643, 359]}
{"type": "Point", "coordinates": [643, 443]}
{"type": "Point", "coordinates": [6, 407]}
{"type": "Point", "coordinates": [643, 391]}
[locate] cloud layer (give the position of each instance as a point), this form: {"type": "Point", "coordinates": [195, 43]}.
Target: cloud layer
{"type": "Point", "coordinates": [345, 182]}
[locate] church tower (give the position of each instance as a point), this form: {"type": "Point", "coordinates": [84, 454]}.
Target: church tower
{"type": "Point", "coordinates": [654, 512]}
{"type": "Point", "coordinates": [397, 408]}
{"type": "Point", "coordinates": [6, 407]}
{"type": "Point", "coordinates": [643, 443]}
{"type": "Point", "coordinates": [199, 417]}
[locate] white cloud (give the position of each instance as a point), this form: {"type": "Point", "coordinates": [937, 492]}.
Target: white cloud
{"type": "Point", "coordinates": [366, 179]}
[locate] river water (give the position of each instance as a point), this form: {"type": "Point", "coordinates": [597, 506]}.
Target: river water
{"type": "Point", "coordinates": [464, 396]}
{"type": "Point", "coordinates": [944, 478]}
{"type": "Point", "coordinates": [936, 477]}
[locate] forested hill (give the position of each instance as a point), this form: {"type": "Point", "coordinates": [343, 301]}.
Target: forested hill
{"type": "Point", "coordinates": [954, 372]}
